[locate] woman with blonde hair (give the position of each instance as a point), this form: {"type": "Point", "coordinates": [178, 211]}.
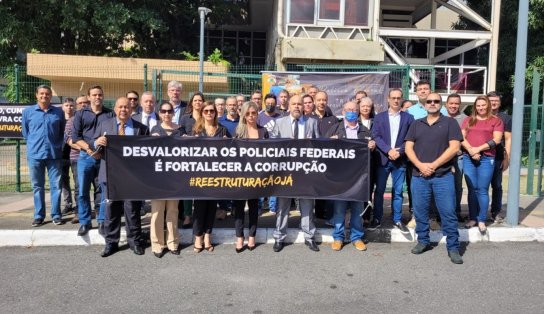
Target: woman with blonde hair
{"type": "Point", "coordinates": [482, 131]}
{"type": "Point", "coordinates": [204, 210]}
{"type": "Point", "coordinates": [161, 207]}
{"type": "Point", "coordinates": [247, 129]}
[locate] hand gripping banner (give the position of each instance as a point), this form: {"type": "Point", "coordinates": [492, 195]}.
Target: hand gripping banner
{"type": "Point", "coordinates": [149, 167]}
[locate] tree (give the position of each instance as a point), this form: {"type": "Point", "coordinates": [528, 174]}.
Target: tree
{"type": "Point", "coordinates": [508, 40]}
{"type": "Point", "coordinates": [135, 28]}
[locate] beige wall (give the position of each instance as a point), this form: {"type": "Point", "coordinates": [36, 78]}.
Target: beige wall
{"type": "Point", "coordinates": [73, 75]}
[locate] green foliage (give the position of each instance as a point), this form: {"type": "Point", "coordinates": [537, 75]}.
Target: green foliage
{"type": "Point", "coordinates": [508, 41]}
{"type": "Point", "coordinates": [15, 86]}
{"type": "Point", "coordinates": [216, 57]}
{"type": "Point", "coordinates": [152, 29]}
{"type": "Point", "coordinates": [189, 56]}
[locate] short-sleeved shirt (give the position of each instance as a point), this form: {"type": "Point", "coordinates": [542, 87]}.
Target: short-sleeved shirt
{"type": "Point", "coordinates": [230, 125]}
{"type": "Point", "coordinates": [267, 121]}
{"type": "Point", "coordinates": [431, 141]}
{"type": "Point", "coordinates": [507, 122]}
{"type": "Point", "coordinates": [43, 131]}
{"type": "Point", "coordinates": [482, 132]}
{"type": "Point", "coordinates": [86, 122]}
{"type": "Point", "coordinates": [418, 111]}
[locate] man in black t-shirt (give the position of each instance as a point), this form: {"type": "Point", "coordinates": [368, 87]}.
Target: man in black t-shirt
{"type": "Point", "coordinates": [431, 145]}
{"type": "Point", "coordinates": [502, 156]}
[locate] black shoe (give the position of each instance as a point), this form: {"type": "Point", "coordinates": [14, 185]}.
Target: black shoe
{"type": "Point", "coordinates": [420, 248]}
{"type": "Point", "coordinates": [138, 250]}
{"type": "Point", "coordinates": [177, 251]}
{"type": "Point", "coordinates": [159, 255]}
{"type": "Point", "coordinates": [455, 257]}
{"type": "Point", "coordinates": [84, 229]}
{"type": "Point", "coordinates": [110, 249]}
{"type": "Point", "coordinates": [37, 222]}
{"type": "Point", "coordinates": [67, 210]}
{"type": "Point", "coordinates": [312, 245]}
{"type": "Point", "coordinates": [402, 227]}
{"type": "Point", "coordinates": [278, 246]}
{"type": "Point", "coordinates": [101, 230]}
{"type": "Point", "coordinates": [57, 221]}
{"type": "Point", "coordinates": [375, 224]}
{"type": "Point", "coordinates": [461, 218]}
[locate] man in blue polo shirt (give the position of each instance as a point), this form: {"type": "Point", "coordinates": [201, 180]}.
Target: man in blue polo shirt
{"type": "Point", "coordinates": [85, 124]}
{"type": "Point", "coordinates": [43, 130]}
{"type": "Point", "coordinates": [431, 144]}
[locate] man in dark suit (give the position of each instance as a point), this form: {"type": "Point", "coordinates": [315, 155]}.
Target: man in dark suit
{"type": "Point", "coordinates": [122, 124]}
{"type": "Point", "coordinates": [390, 128]}
{"type": "Point", "coordinates": [295, 126]}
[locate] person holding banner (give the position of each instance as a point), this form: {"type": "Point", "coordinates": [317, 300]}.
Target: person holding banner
{"type": "Point", "coordinates": [85, 123]}
{"type": "Point", "coordinates": [123, 125]}
{"type": "Point", "coordinates": [204, 210]}
{"type": "Point", "coordinates": [161, 207]}
{"type": "Point", "coordinates": [43, 129]}
{"type": "Point", "coordinates": [295, 126]}
{"type": "Point", "coordinates": [248, 129]}
{"type": "Point", "coordinates": [349, 128]}
{"type": "Point", "coordinates": [366, 118]}
{"type": "Point", "coordinates": [187, 122]}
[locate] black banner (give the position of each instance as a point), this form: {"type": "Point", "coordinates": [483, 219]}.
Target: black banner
{"type": "Point", "coordinates": [11, 117]}
{"type": "Point", "coordinates": [149, 167]}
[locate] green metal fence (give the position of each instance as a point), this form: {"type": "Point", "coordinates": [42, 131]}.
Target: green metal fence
{"type": "Point", "coordinates": [17, 86]}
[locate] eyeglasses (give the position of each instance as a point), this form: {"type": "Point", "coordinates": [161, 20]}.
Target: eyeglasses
{"type": "Point", "coordinates": [133, 98]}
{"type": "Point", "coordinates": [251, 113]}
{"type": "Point", "coordinates": [208, 111]}
{"type": "Point", "coordinates": [430, 101]}
{"type": "Point", "coordinates": [166, 111]}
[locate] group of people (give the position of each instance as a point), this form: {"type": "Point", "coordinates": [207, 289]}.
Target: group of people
{"type": "Point", "coordinates": [425, 145]}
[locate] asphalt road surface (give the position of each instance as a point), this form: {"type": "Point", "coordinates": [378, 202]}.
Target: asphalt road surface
{"type": "Point", "coordinates": [496, 278]}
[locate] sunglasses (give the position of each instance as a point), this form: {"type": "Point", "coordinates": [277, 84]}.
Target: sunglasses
{"type": "Point", "coordinates": [251, 113]}
{"type": "Point", "coordinates": [430, 101]}
{"type": "Point", "coordinates": [163, 111]}
{"type": "Point", "coordinates": [132, 98]}
{"type": "Point", "coordinates": [207, 111]}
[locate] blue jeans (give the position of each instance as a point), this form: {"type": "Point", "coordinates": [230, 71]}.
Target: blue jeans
{"type": "Point", "coordinates": [444, 197]}
{"type": "Point", "coordinates": [355, 224]}
{"type": "Point", "coordinates": [458, 176]}
{"type": "Point", "coordinates": [478, 177]}
{"type": "Point", "coordinates": [272, 204]}
{"type": "Point", "coordinates": [398, 174]}
{"type": "Point", "coordinates": [37, 168]}
{"type": "Point", "coordinates": [87, 172]}
{"type": "Point", "coordinates": [496, 186]}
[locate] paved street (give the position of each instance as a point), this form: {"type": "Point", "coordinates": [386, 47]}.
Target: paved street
{"type": "Point", "coordinates": [496, 277]}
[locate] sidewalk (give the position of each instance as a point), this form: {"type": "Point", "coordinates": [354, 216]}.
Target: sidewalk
{"type": "Point", "coordinates": [16, 214]}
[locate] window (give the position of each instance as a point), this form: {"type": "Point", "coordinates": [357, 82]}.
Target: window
{"type": "Point", "coordinates": [329, 9]}
{"type": "Point", "coordinates": [302, 11]}
{"type": "Point", "coordinates": [337, 12]}
{"type": "Point", "coordinates": [356, 12]}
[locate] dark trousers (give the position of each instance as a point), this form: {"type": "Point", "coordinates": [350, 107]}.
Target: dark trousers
{"type": "Point", "coordinates": [324, 209]}
{"type": "Point", "coordinates": [203, 216]}
{"type": "Point", "coordinates": [239, 215]}
{"type": "Point", "coordinates": [65, 182]}
{"type": "Point", "coordinates": [185, 208]}
{"type": "Point", "coordinates": [112, 223]}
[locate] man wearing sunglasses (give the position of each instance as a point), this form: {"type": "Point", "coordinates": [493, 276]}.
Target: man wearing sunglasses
{"type": "Point", "coordinates": [431, 144]}
{"type": "Point", "coordinates": [133, 98]}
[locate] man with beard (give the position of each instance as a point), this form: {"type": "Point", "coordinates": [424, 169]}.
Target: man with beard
{"type": "Point", "coordinates": [295, 126]}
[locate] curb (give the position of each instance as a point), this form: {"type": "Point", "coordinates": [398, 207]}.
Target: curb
{"type": "Point", "coordinates": [33, 238]}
